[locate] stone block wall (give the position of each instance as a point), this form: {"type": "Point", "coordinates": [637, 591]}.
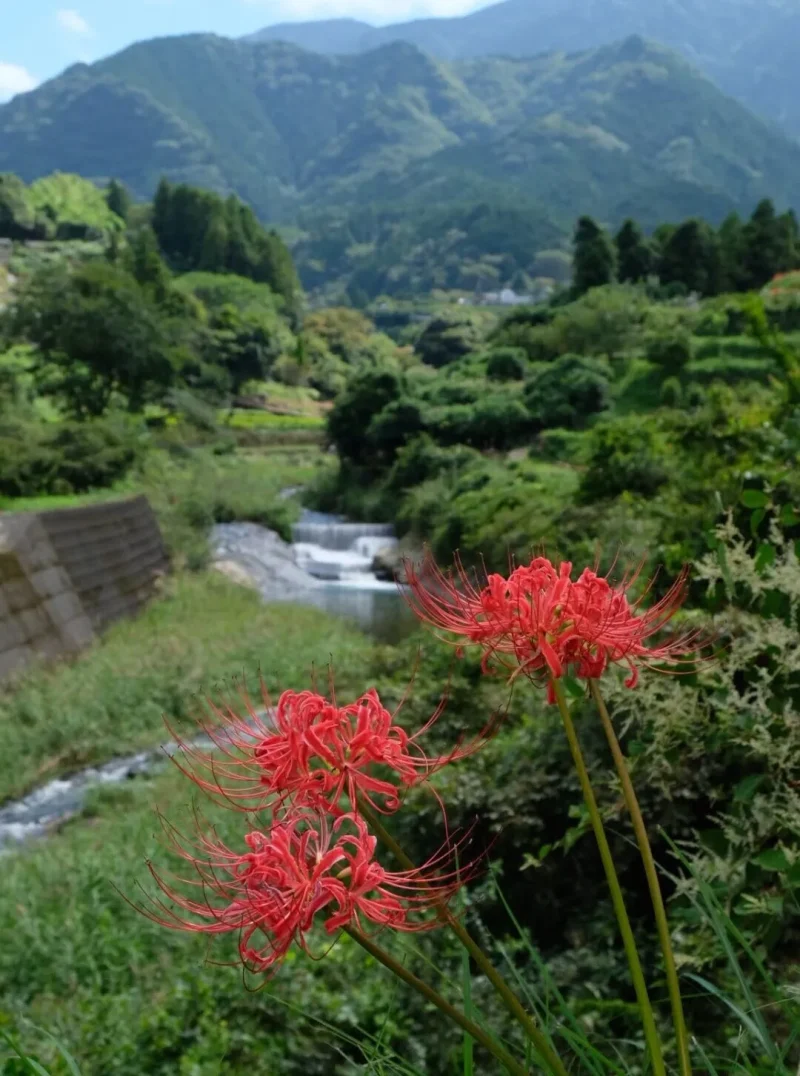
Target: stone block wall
{"type": "Point", "coordinates": [65, 575]}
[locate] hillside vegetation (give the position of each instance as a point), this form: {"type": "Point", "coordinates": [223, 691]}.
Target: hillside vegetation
{"type": "Point", "coordinates": [745, 47]}
{"type": "Point", "coordinates": [628, 128]}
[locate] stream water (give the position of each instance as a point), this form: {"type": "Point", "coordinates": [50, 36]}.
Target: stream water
{"type": "Point", "coordinates": [328, 565]}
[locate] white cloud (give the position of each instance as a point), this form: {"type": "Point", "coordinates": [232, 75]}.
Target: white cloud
{"type": "Point", "coordinates": [14, 79]}
{"type": "Point", "coordinates": [73, 22]}
{"type": "Point", "coordinates": [378, 11]}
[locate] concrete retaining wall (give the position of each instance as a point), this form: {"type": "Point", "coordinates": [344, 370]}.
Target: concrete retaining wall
{"type": "Point", "coordinates": [65, 575]}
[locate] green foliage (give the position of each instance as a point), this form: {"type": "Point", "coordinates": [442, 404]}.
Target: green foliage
{"type": "Point", "coordinates": [145, 264]}
{"type": "Point", "coordinates": [635, 259]}
{"type": "Point", "coordinates": [672, 392]}
{"type": "Point", "coordinates": [364, 398]}
{"type": "Point", "coordinates": [770, 245]}
{"type": "Point", "coordinates": [670, 351]}
{"type": "Point", "coordinates": [118, 199]}
{"type": "Point", "coordinates": [594, 262]}
{"type": "Point", "coordinates": [97, 336]}
{"type": "Point", "coordinates": [70, 457]}
{"type": "Point", "coordinates": [112, 701]}
{"type": "Point", "coordinates": [373, 209]}
{"type": "Point", "coordinates": [506, 364]}
{"type": "Point", "coordinates": [691, 258]}
{"type": "Point", "coordinates": [198, 230]}
{"type": "Point", "coordinates": [568, 392]}
{"type": "Point", "coordinates": [626, 455]}
{"type": "Point", "coordinates": [449, 338]}
{"type": "Point", "coordinates": [604, 321]}
{"type": "Point", "coordinates": [59, 206]}
{"type": "Point", "coordinates": [247, 344]}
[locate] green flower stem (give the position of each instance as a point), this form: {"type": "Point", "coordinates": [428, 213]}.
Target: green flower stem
{"type": "Point", "coordinates": [539, 1041]}
{"type": "Point", "coordinates": [662, 923]}
{"type": "Point", "coordinates": [503, 1056]}
{"type": "Point", "coordinates": [637, 975]}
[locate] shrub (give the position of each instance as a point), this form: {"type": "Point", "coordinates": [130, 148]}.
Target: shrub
{"type": "Point", "coordinates": [72, 457]}
{"type": "Point", "coordinates": [568, 392]}
{"type": "Point", "coordinates": [672, 392]}
{"type": "Point", "coordinates": [626, 455]}
{"type": "Point", "coordinates": [507, 364]}
{"type": "Point", "coordinates": [672, 351]}
{"type": "Point", "coordinates": [447, 339]}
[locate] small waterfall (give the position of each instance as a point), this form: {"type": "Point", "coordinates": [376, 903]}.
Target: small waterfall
{"type": "Point", "coordinates": [341, 537]}
{"type": "Point", "coordinates": [330, 548]}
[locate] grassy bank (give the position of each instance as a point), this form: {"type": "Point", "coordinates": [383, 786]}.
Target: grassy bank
{"type": "Point", "coordinates": [203, 631]}
{"type": "Point", "coordinates": [129, 998]}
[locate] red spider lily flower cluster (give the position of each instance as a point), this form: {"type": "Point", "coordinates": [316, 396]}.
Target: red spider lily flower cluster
{"type": "Point", "coordinates": [314, 753]}
{"type": "Point", "coordinates": [314, 766]}
{"type": "Point", "coordinates": [303, 866]}
{"type": "Point", "coordinates": [544, 624]}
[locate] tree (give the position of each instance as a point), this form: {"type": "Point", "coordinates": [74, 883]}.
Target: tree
{"type": "Point", "coordinates": [593, 261]}
{"type": "Point", "coordinates": [634, 254]}
{"type": "Point", "coordinates": [507, 364]}
{"type": "Point", "coordinates": [447, 339]}
{"type": "Point", "coordinates": [118, 199]}
{"type": "Point", "coordinates": [162, 214]}
{"type": "Point", "coordinates": [216, 245]}
{"type": "Point", "coordinates": [568, 392]}
{"type": "Point", "coordinates": [97, 335]}
{"type": "Point", "coordinates": [732, 246]}
{"type": "Point", "coordinates": [626, 455]}
{"type": "Point", "coordinates": [18, 217]}
{"type": "Point", "coordinates": [769, 243]}
{"type": "Point", "coordinates": [145, 264]}
{"type": "Point", "coordinates": [197, 229]}
{"type": "Point", "coordinates": [247, 344]}
{"type": "Point", "coordinates": [691, 257]}
{"type": "Point", "coordinates": [365, 396]}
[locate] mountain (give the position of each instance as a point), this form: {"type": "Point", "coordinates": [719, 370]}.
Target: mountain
{"type": "Point", "coordinates": [317, 140]}
{"type": "Point", "coordinates": [333, 37]}
{"type": "Point", "coordinates": [595, 131]}
{"type": "Point", "coordinates": [747, 47]}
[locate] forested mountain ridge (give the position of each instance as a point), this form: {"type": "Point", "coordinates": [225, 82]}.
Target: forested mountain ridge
{"type": "Point", "coordinates": [746, 46]}
{"type": "Point", "coordinates": [601, 131]}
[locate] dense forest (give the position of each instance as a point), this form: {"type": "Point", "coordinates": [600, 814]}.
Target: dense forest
{"type": "Point", "coordinates": [648, 413]}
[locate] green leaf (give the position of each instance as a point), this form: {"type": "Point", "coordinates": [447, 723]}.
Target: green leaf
{"type": "Point", "coordinates": [747, 788]}
{"type": "Point", "coordinates": [715, 840]}
{"type": "Point", "coordinates": [754, 498]}
{"type": "Point", "coordinates": [722, 558]}
{"type": "Point", "coordinates": [789, 518]}
{"type": "Point", "coordinates": [773, 859]}
{"type": "Point", "coordinates": [756, 519]}
{"type": "Point", "coordinates": [765, 557]}
{"type": "Point", "coordinates": [574, 687]}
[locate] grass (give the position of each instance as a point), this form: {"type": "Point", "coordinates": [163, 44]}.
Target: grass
{"type": "Point", "coordinates": [194, 490]}
{"type": "Point", "coordinates": [267, 420]}
{"type": "Point", "coordinates": [127, 997]}
{"type": "Point", "coordinates": [113, 698]}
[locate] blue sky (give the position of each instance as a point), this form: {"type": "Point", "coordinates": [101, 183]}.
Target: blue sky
{"type": "Point", "coordinates": [39, 38]}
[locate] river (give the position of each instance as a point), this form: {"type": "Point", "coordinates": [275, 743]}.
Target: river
{"type": "Point", "coordinates": [328, 565]}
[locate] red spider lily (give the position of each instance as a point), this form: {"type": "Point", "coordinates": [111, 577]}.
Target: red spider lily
{"type": "Point", "coordinates": [548, 622]}
{"type": "Point", "coordinates": [610, 629]}
{"type": "Point", "coordinates": [314, 752]}
{"type": "Point", "coordinates": [301, 872]}
{"type": "Point", "coordinates": [524, 616]}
